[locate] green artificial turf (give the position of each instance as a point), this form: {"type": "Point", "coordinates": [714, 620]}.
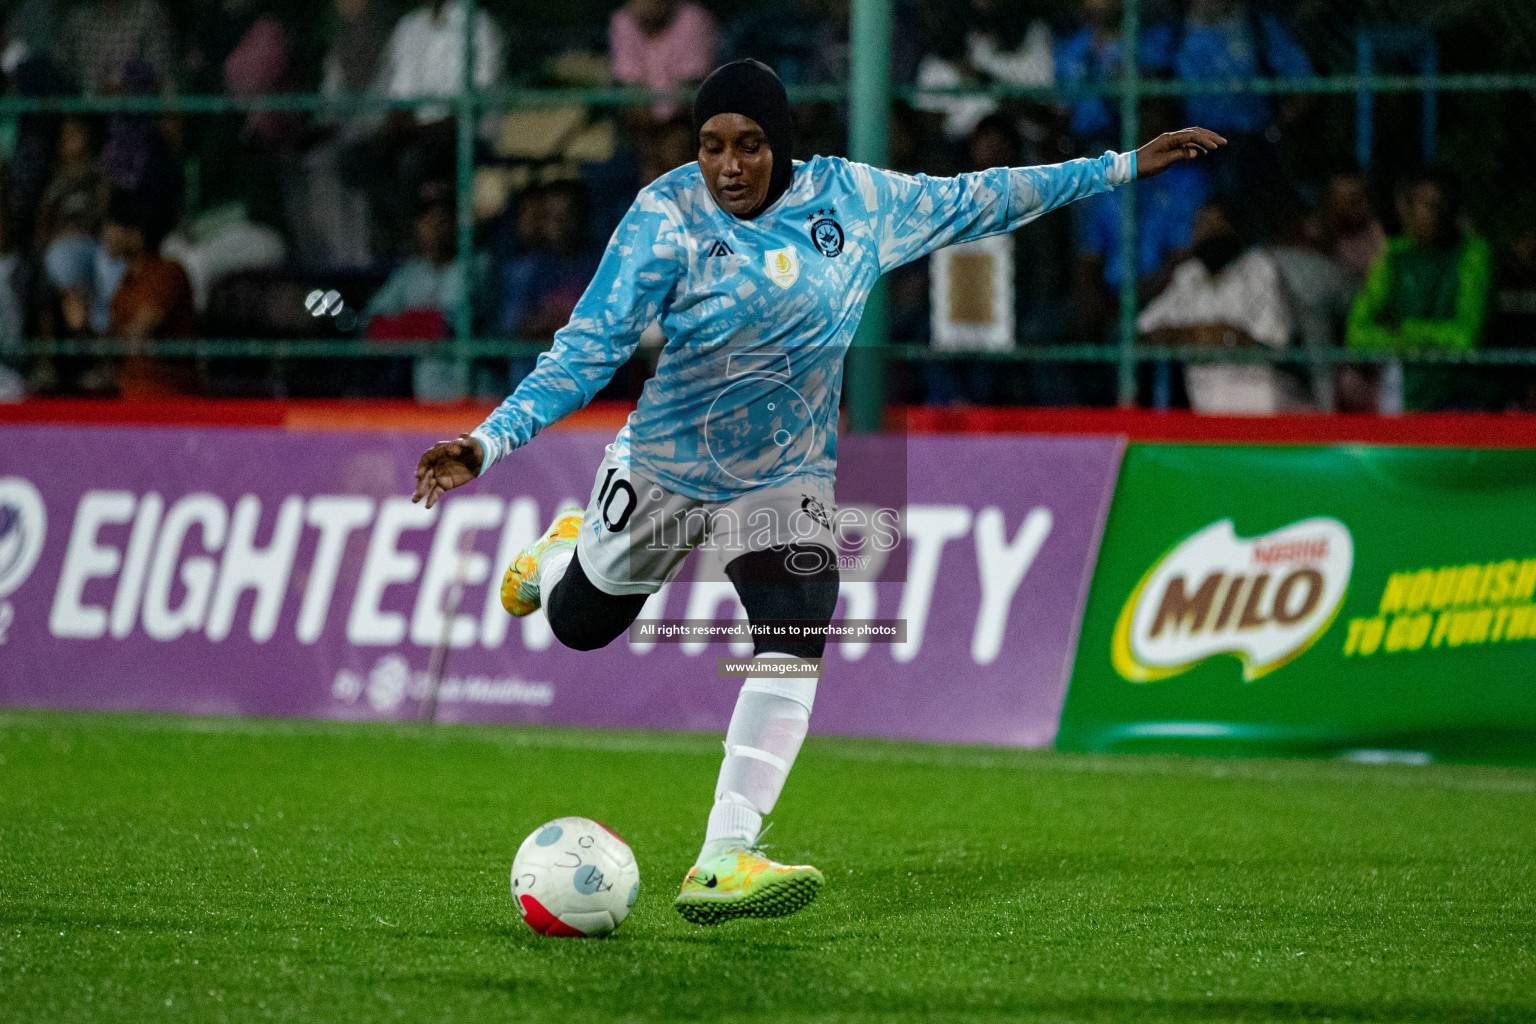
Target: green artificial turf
{"type": "Point", "coordinates": [203, 870]}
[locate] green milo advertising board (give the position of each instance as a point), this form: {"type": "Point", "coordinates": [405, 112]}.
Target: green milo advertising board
{"type": "Point", "coordinates": [1274, 600]}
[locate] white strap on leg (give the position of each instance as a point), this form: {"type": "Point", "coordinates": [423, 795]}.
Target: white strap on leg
{"type": "Point", "coordinates": [800, 689]}
{"type": "Point", "coordinates": [758, 754]}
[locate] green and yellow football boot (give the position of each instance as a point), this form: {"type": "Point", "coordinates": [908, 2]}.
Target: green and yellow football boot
{"type": "Point", "coordinates": [744, 883]}
{"type": "Point", "coordinates": [520, 586]}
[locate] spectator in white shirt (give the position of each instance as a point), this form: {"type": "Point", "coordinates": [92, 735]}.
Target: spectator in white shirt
{"type": "Point", "coordinates": [425, 58]}
{"type": "Point", "coordinates": [331, 221]}
{"type": "Point", "coordinates": [1226, 296]}
{"type": "Point", "coordinates": [425, 55]}
{"type": "Point", "coordinates": [975, 42]}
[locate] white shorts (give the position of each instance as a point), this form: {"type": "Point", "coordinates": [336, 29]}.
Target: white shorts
{"type": "Point", "coordinates": [636, 533]}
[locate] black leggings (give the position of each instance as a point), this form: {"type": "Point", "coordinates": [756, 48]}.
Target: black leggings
{"type": "Point", "coordinates": [584, 618]}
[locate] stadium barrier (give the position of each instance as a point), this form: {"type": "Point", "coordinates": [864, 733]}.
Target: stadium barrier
{"type": "Point", "coordinates": [1251, 594]}
{"type": "Point", "coordinates": [1313, 600]}
{"type": "Point", "coordinates": [285, 572]}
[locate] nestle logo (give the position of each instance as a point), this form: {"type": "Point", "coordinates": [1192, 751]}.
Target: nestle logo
{"type": "Point", "coordinates": [1312, 549]}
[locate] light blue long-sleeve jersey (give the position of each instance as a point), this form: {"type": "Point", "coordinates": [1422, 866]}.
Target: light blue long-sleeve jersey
{"type": "Point", "coordinates": [758, 314]}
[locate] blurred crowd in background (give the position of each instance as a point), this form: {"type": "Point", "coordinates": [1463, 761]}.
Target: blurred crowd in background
{"type": "Point", "coordinates": [1321, 226]}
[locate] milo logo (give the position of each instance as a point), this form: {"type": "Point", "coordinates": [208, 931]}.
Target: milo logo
{"type": "Point", "coordinates": [1263, 599]}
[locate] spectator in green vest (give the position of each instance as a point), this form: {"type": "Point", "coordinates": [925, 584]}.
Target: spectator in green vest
{"type": "Point", "coordinates": [1427, 290]}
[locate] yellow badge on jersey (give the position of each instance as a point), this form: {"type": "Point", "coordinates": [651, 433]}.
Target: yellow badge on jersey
{"type": "Point", "coordinates": [783, 266]}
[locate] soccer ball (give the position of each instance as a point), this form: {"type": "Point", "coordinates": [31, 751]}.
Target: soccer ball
{"type": "Point", "coordinates": [574, 877]}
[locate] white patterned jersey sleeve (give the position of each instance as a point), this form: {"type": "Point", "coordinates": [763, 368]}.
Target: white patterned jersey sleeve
{"type": "Point", "coordinates": [915, 214]}
{"type": "Point", "coordinates": [631, 289]}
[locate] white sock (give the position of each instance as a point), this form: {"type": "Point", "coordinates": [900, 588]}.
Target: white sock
{"type": "Point", "coordinates": [770, 722]}
{"type": "Point", "coordinates": [553, 571]}
{"type": "Point", "coordinates": [732, 826]}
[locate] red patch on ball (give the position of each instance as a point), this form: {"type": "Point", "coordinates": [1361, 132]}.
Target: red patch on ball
{"type": "Point", "coordinates": [545, 923]}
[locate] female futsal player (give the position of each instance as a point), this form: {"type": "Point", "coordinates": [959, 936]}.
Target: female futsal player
{"type": "Point", "coordinates": [758, 268]}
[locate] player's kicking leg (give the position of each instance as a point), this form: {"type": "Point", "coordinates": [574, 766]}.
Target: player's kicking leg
{"type": "Point", "coordinates": [593, 569]}
{"type": "Point", "coordinates": [540, 565]}
{"type": "Point", "coordinates": [549, 573]}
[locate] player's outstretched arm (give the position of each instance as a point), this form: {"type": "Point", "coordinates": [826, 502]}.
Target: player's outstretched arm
{"type": "Point", "coordinates": [1170, 148]}
{"type": "Point", "coordinates": [446, 465]}
{"type": "Point", "coordinates": [626, 294]}
{"type": "Point", "coordinates": [916, 214]}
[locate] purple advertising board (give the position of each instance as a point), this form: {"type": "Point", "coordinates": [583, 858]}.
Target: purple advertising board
{"type": "Point", "coordinates": [280, 573]}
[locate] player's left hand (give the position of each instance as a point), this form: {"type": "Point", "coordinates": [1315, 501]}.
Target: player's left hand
{"type": "Point", "coordinates": [1169, 148]}
{"type": "Point", "coordinates": [446, 465]}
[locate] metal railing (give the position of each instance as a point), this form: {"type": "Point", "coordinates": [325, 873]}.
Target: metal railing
{"type": "Point", "coordinates": [869, 95]}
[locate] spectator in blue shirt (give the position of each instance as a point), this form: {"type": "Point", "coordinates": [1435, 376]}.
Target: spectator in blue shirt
{"type": "Point", "coordinates": [1092, 55]}
{"type": "Point", "coordinates": [1224, 40]}
{"type": "Point", "coordinates": [1165, 214]}
{"type": "Point", "coordinates": [550, 263]}
{"type": "Point", "coordinates": [1228, 39]}
{"type": "Point", "coordinates": [545, 266]}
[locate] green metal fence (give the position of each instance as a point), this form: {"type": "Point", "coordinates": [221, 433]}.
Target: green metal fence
{"type": "Point", "coordinates": [869, 94]}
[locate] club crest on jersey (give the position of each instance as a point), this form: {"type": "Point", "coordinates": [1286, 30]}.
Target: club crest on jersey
{"type": "Point", "coordinates": [816, 509]}
{"type": "Point", "coordinates": [827, 233]}
{"type": "Point", "coordinates": [783, 266]}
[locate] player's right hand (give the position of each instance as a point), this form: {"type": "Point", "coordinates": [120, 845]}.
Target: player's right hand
{"type": "Point", "coordinates": [1171, 147]}
{"type": "Point", "coordinates": [446, 465]}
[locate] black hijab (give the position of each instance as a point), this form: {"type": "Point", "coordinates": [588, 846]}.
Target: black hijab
{"type": "Point", "coordinates": [751, 89]}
